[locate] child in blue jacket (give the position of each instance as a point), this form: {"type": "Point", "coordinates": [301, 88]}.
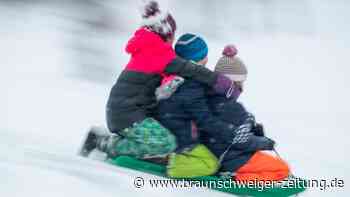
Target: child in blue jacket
{"type": "Point", "coordinates": [187, 104]}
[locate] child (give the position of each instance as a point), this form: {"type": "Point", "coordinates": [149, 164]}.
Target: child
{"type": "Point", "coordinates": [246, 161]}
{"type": "Point", "coordinates": [189, 103]}
{"type": "Point", "coordinates": [132, 100]}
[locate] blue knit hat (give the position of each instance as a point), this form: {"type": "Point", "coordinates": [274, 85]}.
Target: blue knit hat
{"type": "Point", "coordinates": [191, 47]}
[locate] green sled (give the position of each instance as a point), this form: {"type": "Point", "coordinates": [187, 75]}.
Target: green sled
{"type": "Point", "coordinates": [160, 170]}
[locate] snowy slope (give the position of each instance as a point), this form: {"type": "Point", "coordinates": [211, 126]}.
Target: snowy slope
{"type": "Point", "coordinates": [297, 86]}
{"type": "Point", "coordinates": [30, 172]}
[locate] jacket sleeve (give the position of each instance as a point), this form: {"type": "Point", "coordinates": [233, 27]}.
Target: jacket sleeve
{"type": "Point", "coordinates": [246, 140]}
{"type": "Point", "coordinates": [195, 104]}
{"type": "Point", "coordinates": [257, 143]}
{"type": "Point", "coordinates": [187, 69]}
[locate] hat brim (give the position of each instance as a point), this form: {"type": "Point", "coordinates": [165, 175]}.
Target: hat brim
{"type": "Point", "coordinates": [237, 77]}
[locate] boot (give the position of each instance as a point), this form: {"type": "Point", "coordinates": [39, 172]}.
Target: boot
{"type": "Point", "coordinates": [94, 139]}
{"type": "Point", "coordinates": [107, 144]}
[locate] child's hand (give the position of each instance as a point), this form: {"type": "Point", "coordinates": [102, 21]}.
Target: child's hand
{"type": "Point", "coordinates": [243, 133]}
{"type": "Point", "coordinates": [168, 87]}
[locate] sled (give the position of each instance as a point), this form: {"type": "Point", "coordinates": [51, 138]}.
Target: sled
{"type": "Point", "coordinates": [294, 187]}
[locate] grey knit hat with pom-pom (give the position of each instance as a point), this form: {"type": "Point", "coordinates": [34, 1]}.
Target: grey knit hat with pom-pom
{"type": "Point", "coordinates": [230, 65]}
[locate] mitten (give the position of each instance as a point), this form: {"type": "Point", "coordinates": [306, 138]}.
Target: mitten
{"type": "Point", "coordinates": [168, 87]}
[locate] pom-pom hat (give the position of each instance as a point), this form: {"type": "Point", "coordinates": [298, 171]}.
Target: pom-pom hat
{"type": "Point", "coordinates": [230, 65]}
{"type": "Point", "coordinates": [157, 21]}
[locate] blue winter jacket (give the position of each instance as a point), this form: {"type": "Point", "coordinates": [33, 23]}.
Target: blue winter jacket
{"type": "Point", "coordinates": [189, 103]}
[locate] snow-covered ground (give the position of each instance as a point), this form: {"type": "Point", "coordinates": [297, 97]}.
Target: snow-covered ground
{"type": "Point", "coordinates": [297, 86]}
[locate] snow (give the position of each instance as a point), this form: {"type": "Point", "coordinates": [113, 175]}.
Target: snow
{"type": "Point", "coordinates": [297, 86]}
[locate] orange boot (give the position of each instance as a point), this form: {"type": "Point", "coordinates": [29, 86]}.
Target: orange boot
{"type": "Point", "coordinates": [263, 167]}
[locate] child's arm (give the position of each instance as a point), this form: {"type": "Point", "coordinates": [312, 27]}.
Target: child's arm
{"type": "Point", "coordinates": [168, 87]}
{"type": "Point", "coordinates": [259, 143]}
{"type": "Point", "coordinates": [195, 104]}
{"type": "Point", "coordinates": [219, 82]}
{"type": "Point", "coordinates": [242, 137]}
{"type": "Point", "coordinates": [247, 141]}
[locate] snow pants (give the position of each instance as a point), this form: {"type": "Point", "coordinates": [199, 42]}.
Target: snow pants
{"type": "Point", "coordinates": [263, 167]}
{"type": "Point", "coordinates": [145, 139]}
{"type": "Point", "coordinates": [193, 162]}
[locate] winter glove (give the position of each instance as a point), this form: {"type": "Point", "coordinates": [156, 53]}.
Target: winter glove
{"type": "Point", "coordinates": [255, 143]}
{"type": "Point", "coordinates": [225, 86]}
{"type": "Point", "coordinates": [247, 141]}
{"type": "Point", "coordinates": [168, 87]}
{"type": "Point", "coordinates": [258, 130]}
{"type": "Point", "coordinates": [242, 137]}
{"type": "Point", "coordinates": [243, 133]}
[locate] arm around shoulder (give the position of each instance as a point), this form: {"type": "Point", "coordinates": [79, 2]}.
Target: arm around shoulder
{"type": "Point", "coordinates": [188, 69]}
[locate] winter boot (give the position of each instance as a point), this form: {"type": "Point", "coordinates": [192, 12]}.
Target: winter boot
{"type": "Point", "coordinates": [97, 137]}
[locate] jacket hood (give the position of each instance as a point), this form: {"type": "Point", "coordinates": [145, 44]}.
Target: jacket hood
{"type": "Point", "coordinates": [149, 53]}
{"type": "Point", "coordinates": [146, 41]}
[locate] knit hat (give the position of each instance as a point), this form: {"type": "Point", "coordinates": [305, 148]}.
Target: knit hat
{"type": "Point", "coordinates": [157, 21]}
{"type": "Point", "coordinates": [230, 65]}
{"type": "Point", "coordinates": [191, 47]}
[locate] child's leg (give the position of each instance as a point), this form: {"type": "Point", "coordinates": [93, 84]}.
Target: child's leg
{"type": "Point", "coordinates": [263, 167]}
{"type": "Point", "coordinates": [198, 161]}
{"type": "Point", "coordinates": [145, 139]}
